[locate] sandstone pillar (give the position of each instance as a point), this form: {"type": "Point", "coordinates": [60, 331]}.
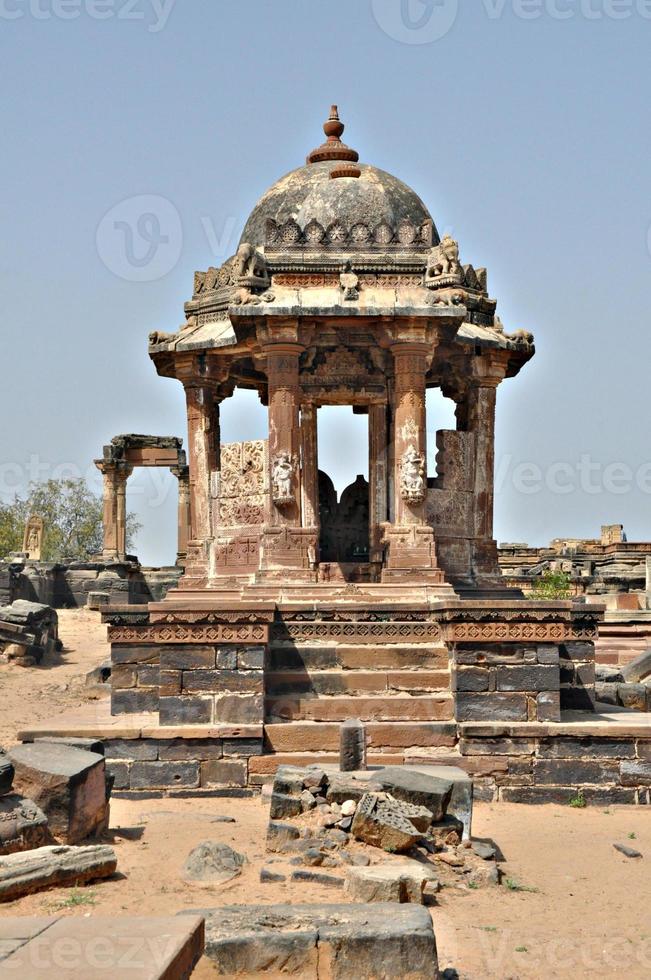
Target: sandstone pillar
{"type": "Point", "coordinates": [409, 538]}
{"type": "Point", "coordinates": [378, 463]}
{"type": "Point", "coordinates": [288, 546]}
{"type": "Point", "coordinates": [182, 473]}
{"type": "Point", "coordinates": [123, 474]}
{"type": "Point", "coordinates": [203, 461]}
{"type": "Point", "coordinates": [114, 507]}
{"type": "Point", "coordinates": [309, 466]}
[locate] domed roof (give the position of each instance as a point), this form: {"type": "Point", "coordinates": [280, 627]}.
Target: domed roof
{"type": "Point", "coordinates": [326, 190]}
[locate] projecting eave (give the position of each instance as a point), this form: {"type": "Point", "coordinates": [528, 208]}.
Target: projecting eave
{"type": "Point", "coordinates": [520, 345]}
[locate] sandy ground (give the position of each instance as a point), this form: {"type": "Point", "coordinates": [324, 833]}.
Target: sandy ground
{"type": "Point", "coordinates": [581, 909]}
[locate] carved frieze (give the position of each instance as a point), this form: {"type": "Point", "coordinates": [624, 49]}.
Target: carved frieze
{"type": "Point", "coordinates": [361, 236]}
{"type": "Point", "coordinates": [187, 633]}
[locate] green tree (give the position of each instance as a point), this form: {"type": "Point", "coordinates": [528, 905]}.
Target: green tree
{"type": "Point", "coordinates": [72, 517]}
{"type": "Point", "coordinates": [552, 585]}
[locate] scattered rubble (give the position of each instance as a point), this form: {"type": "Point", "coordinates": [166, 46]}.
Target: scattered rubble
{"type": "Point", "coordinates": [28, 631]}
{"type": "Point", "coordinates": [628, 852]}
{"type": "Point", "coordinates": [47, 867]}
{"type": "Point", "coordinates": [395, 882]}
{"type": "Point", "coordinates": [23, 826]}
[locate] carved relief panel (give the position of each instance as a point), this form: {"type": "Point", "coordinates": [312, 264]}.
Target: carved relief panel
{"type": "Point", "coordinates": [243, 484]}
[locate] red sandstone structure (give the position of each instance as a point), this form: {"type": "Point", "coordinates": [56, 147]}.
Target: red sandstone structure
{"type": "Point", "coordinates": [297, 611]}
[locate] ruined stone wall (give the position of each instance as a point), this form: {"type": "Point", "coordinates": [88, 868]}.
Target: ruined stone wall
{"type": "Point", "coordinates": [68, 585]}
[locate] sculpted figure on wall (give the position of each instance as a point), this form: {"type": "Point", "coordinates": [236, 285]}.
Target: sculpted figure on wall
{"type": "Point", "coordinates": [412, 476]}
{"type": "Point", "coordinates": [282, 478]}
{"type": "Point", "coordinates": [33, 538]}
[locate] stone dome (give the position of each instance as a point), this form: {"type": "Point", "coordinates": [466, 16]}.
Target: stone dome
{"type": "Point", "coordinates": [325, 190]}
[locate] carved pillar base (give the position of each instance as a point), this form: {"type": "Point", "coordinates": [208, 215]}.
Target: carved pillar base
{"type": "Point", "coordinates": [289, 553]}
{"type": "Point", "coordinates": [410, 554]}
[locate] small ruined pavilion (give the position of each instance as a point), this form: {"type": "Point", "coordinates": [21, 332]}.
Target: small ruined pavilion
{"type": "Point", "coordinates": [297, 609]}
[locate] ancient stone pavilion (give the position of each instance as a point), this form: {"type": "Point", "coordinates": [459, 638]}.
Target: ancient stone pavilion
{"type": "Point", "coordinates": [299, 610]}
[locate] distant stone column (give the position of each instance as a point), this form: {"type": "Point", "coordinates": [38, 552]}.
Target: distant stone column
{"type": "Point", "coordinates": [182, 473]}
{"type": "Point", "coordinates": [203, 451]}
{"type": "Point", "coordinates": [123, 473]}
{"type": "Point", "coordinates": [113, 501]}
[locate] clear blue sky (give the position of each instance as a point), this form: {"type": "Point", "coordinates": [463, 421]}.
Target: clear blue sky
{"type": "Point", "coordinates": [523, 125]}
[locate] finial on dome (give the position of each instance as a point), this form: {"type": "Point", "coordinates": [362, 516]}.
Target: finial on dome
{"type": "Point", "coordinates": [333, 148]}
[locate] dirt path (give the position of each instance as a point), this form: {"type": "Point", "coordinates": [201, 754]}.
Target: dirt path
{"type": "Point", "coordinates": [584, 913]}
{"type": "Point", "coordinates": [30, 694]}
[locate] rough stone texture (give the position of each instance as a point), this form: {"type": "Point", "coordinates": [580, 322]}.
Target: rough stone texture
{"type": "Point", "coordinates": [395, 882]}
{"type": "Point", "coordinates": [213, 863]}
{"type": "Point", "coordinates": [638, 669]}
{"type": "Point", "coordinates": [45, 867]}
{"type": "Point", "coordinates": [23, 825]}
{"type": "Point", "coordinates": [461, 800]}
{"type": "Point", "coordinates": [417, 788]}
{"type": "Point", "coordinates": [352, 752]}
{"type": "Point", "coordinates": [280, 835]}
{"type": "Point", "coordinates": [6, 774]}
{"type": "Point", "coordinates": [68, 784]}
{"type": "Point", "coordinates": [166, 948]}
{"type": "Point", "coordinates": [382, 823]}
{"type": "Point", "coordinates": [388, 941]}
{"type": "Point", "coordinates": [28, 631]}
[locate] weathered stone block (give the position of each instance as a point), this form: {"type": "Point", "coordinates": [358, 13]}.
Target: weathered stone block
{"type": "Point", "coordinates": [575, 771]}
{"type": "Point", "coordinates": [382, 823]}
{"type": "Point", "coordinates": [147, 675]}
{"type": "Point", "coordinates": [23, 825]}
{"type": "Point", "coordinates": [143, 749]}
{"type": "Point", "coordinates": [181, 749]}
{"type": "Point", "coordinates": [243, 746]}
{"type": "Point", "coordinates": [170, 683]}
{"type": "Point", "coordinates": [223, 773]}
{"type": "Point", "coordinates": [123, 676]}
{"type": "Point", "coordinates": [638, 669]}
{"type": "Point", "coordinates": [249, 682]}
{"type": "Point", "coordinates": [633, 696]}
{"type": "Point", "coordinates": [395, 882]}
{"type": "Point", "coordinates": [162, 775]}
{"type": "Point", "coordinates": [283, 806]}
{"type": "Point", "coordinates": [352, 746]}
{"type": "Point", "coordinates": [471, 679]}
{"type": "Point", "coordinates": [576, 651]}
{"type": "Point", "coordinates": [245, 709]}
{"type": "Point", "coordinates": [119, 773]}
{"type": "Point", "coordinates": [186, 710]}
{"type": "Point", "coordinates": [280, 835]}
{"type": "Point", "coordinates": [491, 707]}
{"type": "Point", "coordinates": [590, 748]}
{"type": "Point", "coordinates": [179, 657]}
{"type": "Point", "coordinates": [226, 658]}
{"type": "Point", "coordinates": [548, 706]}
{"type": "Point", "coordinates": [134, 701]}
{"type": "Point", "coordinates": [548, 655]}
{"type": "Point", "coordinates": [310, 941]}
{"type": "Point", "coordinates": [47, 867]}
{"type": "Point", "coordinates": [496, 746]}
{"type": "Point", "coordinates": [530, 678]}
{"type": "Point", "coordinates": [250, 658]}
{"type": "Point", "coordinates": [635, 773]}
{"type": "Point", "coordinates": [418, 788]}
{"type": "Point", "coordinates": [67, 784]}
{"type": "Point", "coordinates": [125, 654]}
{"type": "Point", "coordinates": [6, 774]}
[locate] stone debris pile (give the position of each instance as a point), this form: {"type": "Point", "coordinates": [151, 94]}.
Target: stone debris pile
{"type": "Point", "coordinates": [28, 631]}
{"type": "Point", "coordinates": [325, 819]}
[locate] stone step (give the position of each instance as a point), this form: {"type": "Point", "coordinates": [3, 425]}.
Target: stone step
{"type": "Point", "coordinates": [351, 657]}
{"type": "Point", "coordinates": [263, 766]}
{"type": "Point", "coordinates": [310, 681]}
{"type": "Point", "coordinates": [312, 736]}
{"type": "Point", "coordinates": [381, 708]}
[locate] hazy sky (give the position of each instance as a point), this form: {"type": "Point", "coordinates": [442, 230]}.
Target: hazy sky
{"type": "Point", "coordinates": [524, 125]}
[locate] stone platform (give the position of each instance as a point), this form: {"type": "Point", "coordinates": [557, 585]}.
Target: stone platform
{"type": "Point", "coordinates": [75, 947]}
{"type": "Point", "coordinates": [604, 756]}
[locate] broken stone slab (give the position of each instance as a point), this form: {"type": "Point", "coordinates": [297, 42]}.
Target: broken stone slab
{"type": "Point", "coordinates": [343, 787]}
{"type": "Point", "coordinates": [628, 852]}
{"type": "Point", "coordinates": [318, 878]}
{"type": "Point", "coordinates": [340, 941]}
{"type": "Point", "coordinates": [267, 876]}
{"type": "Point", "coordinates": [450, 830]}
{"type": "Point", "coordinates": [76, 742]}
{"type": "Point", "coordinates": [638, 669]}
{"type": "Point", "coordinates": [461, 799]}
{"type": "Point", "coordinates": [45, 867]}
{"type": "Point", "coordinates": [68, 784]}
{"type": "Point", "coordinates": [352, 745]}
{"type": "Point", "coordinates": [280, 835]}
{"type": "Point", "coordinates": [382, 823]}
{"type": "Point", "coordinates": [102, 947]}
{"type": "Point", "coordinates": [484, 850]}
{"type": "Point", "coordinates": [22, 825]}
{"type": "Point", "coordinates": [419, 788]}
{"type": "Point", "coordinates": [6, 774]}
{"type": "Point", "coordinates": [212, 863]}
{"type": "Point", "coordinates": [283, 805]}
{"type": "Point", "coordinates": [402, 881]}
